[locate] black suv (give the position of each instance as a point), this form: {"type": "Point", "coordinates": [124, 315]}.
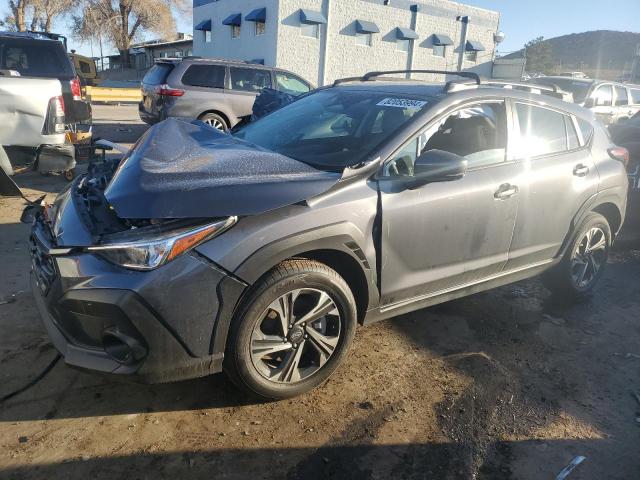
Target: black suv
{"type": "Point", "coordinates": [258, 253]}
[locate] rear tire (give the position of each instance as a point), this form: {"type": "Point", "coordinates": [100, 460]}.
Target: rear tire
{"type": "Point", "coordinates": [585, 260]}
{"type": "Point", "coordinates": [215, 121]}
{"type": "Point", "coordinates": [292, 332]}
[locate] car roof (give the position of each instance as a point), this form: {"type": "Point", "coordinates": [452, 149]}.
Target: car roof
{"type": "Point", "coordinates": [435, 92]}
{"type": "Point", "coordinates": [28, 35]}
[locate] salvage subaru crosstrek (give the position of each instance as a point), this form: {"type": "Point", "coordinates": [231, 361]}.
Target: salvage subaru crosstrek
{"type": "Point", "coordinates": [257, 253]}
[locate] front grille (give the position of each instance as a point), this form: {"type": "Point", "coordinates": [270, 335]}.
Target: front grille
{"type": "Point", "coordinates": [43, 265]}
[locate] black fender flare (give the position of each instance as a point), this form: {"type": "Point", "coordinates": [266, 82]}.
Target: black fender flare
{"type": "Point", "coordinates": [341, 237]}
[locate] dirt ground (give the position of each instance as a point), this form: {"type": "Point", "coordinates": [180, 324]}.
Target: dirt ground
{"type": "Point", "coordinates": [508, 384]}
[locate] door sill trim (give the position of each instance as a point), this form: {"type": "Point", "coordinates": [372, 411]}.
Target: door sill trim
{"type": "Point", "coordinates": [426, 296]}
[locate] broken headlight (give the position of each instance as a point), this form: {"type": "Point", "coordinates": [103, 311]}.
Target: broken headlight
{"type": "Point", "coordinates": [150, 253]}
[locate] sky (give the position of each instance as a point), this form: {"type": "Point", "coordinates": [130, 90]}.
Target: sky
{"type": "Point", "coordinates": [521, 20]}
{"type": "Point", "coordinates": [524, 20]}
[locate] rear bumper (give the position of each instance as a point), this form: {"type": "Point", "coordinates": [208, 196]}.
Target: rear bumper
{"type": "Point", "coordinates": [155, 326]}
{"type": "Point", "coordinates": [147, 117]}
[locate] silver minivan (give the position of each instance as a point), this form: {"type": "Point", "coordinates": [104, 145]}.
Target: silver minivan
{"type": "Point", "coordinates": [218, 92]}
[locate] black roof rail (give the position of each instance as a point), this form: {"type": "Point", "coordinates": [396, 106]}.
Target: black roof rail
{"type": "Point", "coordinates": [371, 76]}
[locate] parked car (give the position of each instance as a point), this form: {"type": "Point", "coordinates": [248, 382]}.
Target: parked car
{"type": "Point", "coordinates": [258, 253]}
{"type": "Point", "coordinates": [627, 135]}
{"type": "Point", "coordinates": [612, 102]}
{"type": "Point", "coordinates": [39, 96]}
{"type": "Point", "coordinates": [218, 92]}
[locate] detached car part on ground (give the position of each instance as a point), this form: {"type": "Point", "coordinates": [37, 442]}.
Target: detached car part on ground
{"type": "Point", "coordinates": [258, 253]}
{"type": "Point", "coordinates": [40, 96]}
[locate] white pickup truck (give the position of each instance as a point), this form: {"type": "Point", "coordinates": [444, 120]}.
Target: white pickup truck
{"type": "Point", "coordinates": [39, 95]}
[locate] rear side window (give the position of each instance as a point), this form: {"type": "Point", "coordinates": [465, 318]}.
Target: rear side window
{"type": "Point", "coordinates": [635, 96]}
{"type": "Point", "coordinates": [622, 98]}
{"type": "Point", "coordinates": [35, 58]}
{"type": "Point", "coordinates": [250, 79]}
{"type": "Point", "coordinates": [572, 136]}
{"type": "Point", "coordinates": [211, 76]}
{"type": "Point", "coordinates": [542, 131]}
{"type": "Point", "coordinates": [586, 129]}
{"type": "Point", "coordinates": [158, 74]}
{"type": "Point", "coordinates": [84, 67]}
{"type": "Point", "coordinates": [291, 84]}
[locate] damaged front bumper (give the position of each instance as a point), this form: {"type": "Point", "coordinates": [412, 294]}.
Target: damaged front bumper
{"type": "Point", "coordinates": [156, 326]}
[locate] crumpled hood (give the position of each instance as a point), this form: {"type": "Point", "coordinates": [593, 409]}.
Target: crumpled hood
{"type": "Point", "coordinates": [189, 170]}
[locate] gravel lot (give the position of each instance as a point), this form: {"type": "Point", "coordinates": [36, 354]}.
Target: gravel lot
{"type": "Point", "coordinates": [508, 384]}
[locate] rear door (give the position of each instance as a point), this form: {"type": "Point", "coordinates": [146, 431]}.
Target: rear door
{"type": "Point", "coordinates": [558, 177]}
{"type": "Point", "coordinates": [246, 83]}
{"type": "Point", "coordinates": [445, 235]}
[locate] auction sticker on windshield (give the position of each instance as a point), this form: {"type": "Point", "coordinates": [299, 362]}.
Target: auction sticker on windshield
{"type": "Point", "coordinates": [402, 103]}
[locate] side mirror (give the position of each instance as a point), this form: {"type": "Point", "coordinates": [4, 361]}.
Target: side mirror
{"type": "Point", "coordinates": [438, 166]}
{"type": "Point", "coordinates": [589, 103]}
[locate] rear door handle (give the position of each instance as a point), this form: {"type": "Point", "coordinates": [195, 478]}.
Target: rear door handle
{"type": "Point", "coordinates": [581, 170]}
{"type": "Point", "coordinates": [506, 190]}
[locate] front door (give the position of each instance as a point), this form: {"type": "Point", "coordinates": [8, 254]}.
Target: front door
{"type": "Point", "coordinates": [446, 235]}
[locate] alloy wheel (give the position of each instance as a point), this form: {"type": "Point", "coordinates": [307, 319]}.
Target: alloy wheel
{"type": "Point", "coordinates": [215, 123]}
{"type": "Point", "coordinates": [588, 258]}
{"type": "Point", "coordinates": [295, 336]}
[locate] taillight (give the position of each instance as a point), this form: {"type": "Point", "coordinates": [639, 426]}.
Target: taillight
{"type": "Point", "coordinates": [167, 91]}
{"type": "Point", "coordinates": [621, 154]}
{"type": "Point", "coordinates": [76, 91]}
{"type": "Point", "coordinates": [55, 117]}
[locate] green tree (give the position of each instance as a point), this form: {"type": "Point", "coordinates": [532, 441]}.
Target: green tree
{"type": "Point", "coordinates": [538, 55]}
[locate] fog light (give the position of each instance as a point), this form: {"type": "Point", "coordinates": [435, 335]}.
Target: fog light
{"type": "Point", "coordinates": [122, 348]}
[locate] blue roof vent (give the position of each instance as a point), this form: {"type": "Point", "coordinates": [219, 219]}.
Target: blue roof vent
{"type": "Point", "coordinates": [205, 25]}
{"type": "Point", "coordinates": [362, 26]}
{"type": "Point", "coordinates": [310, 17]}
{"type": "Point", "coordinates": [234, 19]}
{"type": "Point", "coordinates": [443, 40]}
{"type": "Point", "coordinates": [406, 34]}
{"type": "Point", "coordinates": [257, 15]}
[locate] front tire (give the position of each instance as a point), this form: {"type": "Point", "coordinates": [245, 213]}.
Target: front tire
{"type": "Point", "coordinates": [584, 262]}
{"type": "Point", "coordinates": [292, 332]}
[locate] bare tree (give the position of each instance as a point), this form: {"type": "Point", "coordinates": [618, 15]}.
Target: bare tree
{"type": "Point", "coordinates": [123, 21]}
{"type": "Point", "coordinates": [17, 20]}
{"type": "Point", "coordinates": [46, 11]}
{"type": "Point", "coordinates": [36, 14]}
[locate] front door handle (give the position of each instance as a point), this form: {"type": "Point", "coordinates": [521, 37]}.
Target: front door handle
{"type": "Point", "coordinates": [581, 170]}
{"type": "Point", "coordinates": [506, 190]}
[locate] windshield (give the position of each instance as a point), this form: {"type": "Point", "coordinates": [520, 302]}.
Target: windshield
{"type": "Point", "coordinates": [332, 129]}
{"type": "Point", "coordinates": [579, 88]}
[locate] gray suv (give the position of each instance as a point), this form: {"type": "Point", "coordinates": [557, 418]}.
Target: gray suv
{"type": "Point", "coordinates": [258, 253]}
{"type": "Point", "coordinates": [217, 92]}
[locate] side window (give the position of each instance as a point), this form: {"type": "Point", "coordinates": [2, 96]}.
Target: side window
{"type": "Point", "coordinates": [291, 84]}
{"type": "Point", "coordinates": [542, 131]}
{"type": "Point", "coordinates": [635, 96]}
{"type": "Point", "coordinates": [477, 132]}
{"type": "Point", "coordinates": [85, 67]}
{"type": "Point", "coordinates": [572, 136]}
{"type": "Point", "coordinates": [211, 76]}
{"type": "Point", "coordinates": [403, 161]}
{"type": "Point", "coordinates": [603, 96]}
{"type": "Point", "coordinates": [622, 98]}
{"type": "Point", "coordinates": [586, 129]}
{"type": "Point", "coordinates": [250, 79]}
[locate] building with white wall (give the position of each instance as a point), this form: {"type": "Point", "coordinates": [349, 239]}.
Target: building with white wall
{"type": "Point", "coordinates": [323, 40]}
